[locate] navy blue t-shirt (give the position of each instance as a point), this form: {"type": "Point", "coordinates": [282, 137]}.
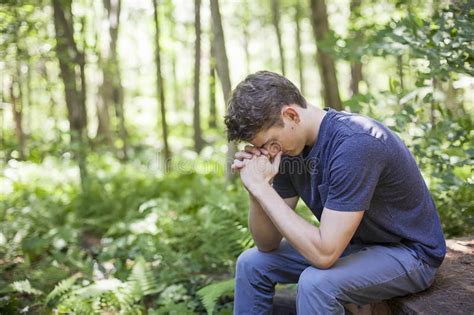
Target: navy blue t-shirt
{"type": "Point", "coordinates": [359, 164]}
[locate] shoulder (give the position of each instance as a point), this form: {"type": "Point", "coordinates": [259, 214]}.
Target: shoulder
{"type": "Point", "coordinates": [362, 128]}
{"type": "Point", "coordinates": [359, 149]}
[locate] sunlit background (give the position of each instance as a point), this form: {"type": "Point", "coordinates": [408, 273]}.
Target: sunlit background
{"type": "Point", "coordinates": [88, 221]}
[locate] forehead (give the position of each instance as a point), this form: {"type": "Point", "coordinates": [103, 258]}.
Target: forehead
{"type": "Point", "coordinates": [262, 137]}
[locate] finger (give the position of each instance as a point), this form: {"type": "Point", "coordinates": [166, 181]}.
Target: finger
{"type": "Point", "coordinates": [235, 170]}
{"type": "Point", "coordinates": [238, 164]}
{"type": "Point", "coordinates": [243, 155]}
{"type": "Point", "coordinates": [264, 151]}
{"type": "Point", "coordinates": [276, 161]}
{"type": "Point", "coordinates": [246, 162]}
{"type": "Point", "coordinates": [262, 161]}
{"type": "Point", "coordinates": [252, 149]}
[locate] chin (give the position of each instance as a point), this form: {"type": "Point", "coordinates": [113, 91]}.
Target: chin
{"type": "Point", "coordinates": [295, 151]}
{"type": "Point", "coordinates": [292, 153]}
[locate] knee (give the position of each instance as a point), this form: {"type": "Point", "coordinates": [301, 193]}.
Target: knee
{"type": "Point", "coordinates": [251, 263]}
{"type": "Point", "coordinates": [314, 281]}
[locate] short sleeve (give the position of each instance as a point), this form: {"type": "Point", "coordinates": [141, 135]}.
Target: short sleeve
{"type": "Point", "coordinates": [282, 182]}
{"type": "Point", "coordinates": [354, 172]}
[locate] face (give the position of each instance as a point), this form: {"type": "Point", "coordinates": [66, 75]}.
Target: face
{"type": "Point", "coordinates": [287, 138]}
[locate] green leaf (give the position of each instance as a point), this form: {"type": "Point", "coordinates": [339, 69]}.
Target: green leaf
{"type": "Point", "coordinates": [142, 279]}
{"type": "Point", "coordinates": [211, 293]}
{"type": "Point", "coordinates": [25, 287]}
{"type": "Point", "coordinates": [62, 287]}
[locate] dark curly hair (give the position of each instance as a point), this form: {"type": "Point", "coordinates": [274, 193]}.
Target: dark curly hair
{"type": "Point", "coordinates": [256, 102]}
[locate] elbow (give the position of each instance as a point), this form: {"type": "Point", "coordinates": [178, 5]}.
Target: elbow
{"type": "Point", "coordinates": [324, 261]}
{"type": "Point", "coordinates": [268, 245]}
{"type": "Point", "coordinates": [266, 249]}
{"type": "Point", "coordinates": [324, 255]}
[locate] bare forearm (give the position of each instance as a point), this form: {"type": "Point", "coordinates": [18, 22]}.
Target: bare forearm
{"type": "Point", "coordinates": [302, 235]}
{"type": "Point", "coordinates": [264, 233]}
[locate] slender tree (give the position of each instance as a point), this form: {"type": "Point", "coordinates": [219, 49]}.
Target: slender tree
{"type": "Point", "coordinates": [356, 66]}
{"type": "Point", "coordinates": [400, 71]}
{"type": "Point", "coordinates": [17, 91]}
{"type": "Point", "coordinates": [3, 154]}
{"type": "Point", "coordinates": [104, 131]}
{"type": "Point", "coordinates": [327, 68]}
{"type": "Point", "coordinates": [160, 85]}
{"type": "Point", "coordinates": [72, 65]}
{"type": "Point", "coordinates": [212, 86]}
{"type": "Point", "coordinates": [178, 102]}
{"type": "Point", "coordinates": [112, 89]}
{"type": "Point", "coordinates": [222, 65]}
{"type": "Point", "coordinates": [29, 91]}
{"type": "Point", "coordinates": [299, 55]}
{"type": "Point", "coordinates": [198, 142]}
{"type": "Point", "coordinates": [53, 103]}
{"type": "Point", "coordinates": [17, 109]}
{"type": "Point", "coordinates": [276, 25]}
{"type": "Point", "coordinates": [245, 21]}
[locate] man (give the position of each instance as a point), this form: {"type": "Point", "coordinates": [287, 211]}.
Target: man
{"type": "Point", "coordinates": [379, 234]}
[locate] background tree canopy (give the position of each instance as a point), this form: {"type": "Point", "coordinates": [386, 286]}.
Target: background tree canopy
{"type": "Point", "coordinates": [115, 194]}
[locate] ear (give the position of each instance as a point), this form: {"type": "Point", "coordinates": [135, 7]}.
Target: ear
{"type": "Point", "coordinates": [289, 112]}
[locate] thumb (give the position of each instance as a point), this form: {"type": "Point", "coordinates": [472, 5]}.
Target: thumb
{"type": "Point", "coordinates": [276, 161]}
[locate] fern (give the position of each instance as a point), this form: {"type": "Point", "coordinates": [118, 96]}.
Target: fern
{"type": "Point", "coordinates": [211, 293]}
{"type": "Point", "coordinates": [107, 295]}
{"type": "Point", "coordinates": [25, 287]}
{"type": "Point", "coordinates": [93, 298]}
{"type": "Point", "coordinates": [62, 288]}
{"type": "Point", "coordinates": [142, 280]}
{"type": "Point", "coordinates": [74, 305]}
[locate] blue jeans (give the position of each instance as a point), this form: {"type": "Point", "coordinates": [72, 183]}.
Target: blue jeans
{"type": "Point", "coordinates": [363, 274]}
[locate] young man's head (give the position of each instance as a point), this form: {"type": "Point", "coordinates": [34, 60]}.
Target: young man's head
{"type": "Point", "coordinates": [266, 110]}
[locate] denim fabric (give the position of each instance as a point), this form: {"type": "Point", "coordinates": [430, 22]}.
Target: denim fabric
{"type": "Point", "coordinates": [363, 274]}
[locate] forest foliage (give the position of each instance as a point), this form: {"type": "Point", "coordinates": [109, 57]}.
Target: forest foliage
{"type": "Point", "coordinates": [114, 190]}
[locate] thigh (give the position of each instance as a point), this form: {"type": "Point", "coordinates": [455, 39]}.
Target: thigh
{"type": "Point", "coordinates": [373, 273]}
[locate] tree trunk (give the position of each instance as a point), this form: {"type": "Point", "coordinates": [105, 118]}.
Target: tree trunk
{"type": "Point", "coordinates": [212, 87]}
{"type": "Point", "coordinates": [276, 25]}
{"type": "Point", "coordinates": [17, 109]}
{"type": "Point", "coordinates": [327, 68]}
{"type": "Point", "coordinates": [356, 77]}
{"type": "Point", "coordinates": [169, 6]}
{"type": "Point", "coordinates": [53, 103]}
{"type": "Point", "coordinates": [29, 95]}
{"type": "Point", "coordinates": [72, 64]}
{"type": "Point", "coordinates": [104, 103]}
{"type": "Point", "coordinates": [452, 102]}
{"type": "Point", "coordinates": [178, 101]}
{"type": "Point", "coordinates": [17, 98]}
{"type": "Point", "coordinates": [434, 86]}
{"type": "Point", "coordinates": [112, 81]}
{"type": "Point", "coordinates": [160, 87]}
{"type": "Point", "coordinates": [171, 22]}
{"type": "Point", "coordinates": [246, 35]}
{"type": "Point", "coordinates": [223, 73]}
{"type": "Point", "coordinates": [198, 142]}
{"type": "Point", "coordinates": [400, 71]}
{"type": "Point", "coordinates": [104, 133]}
{"type": "Point", "coordinates": [299, 55]}
{"type": "Point", "coordinates": [356, 67]}
{"type": "Point", "coordinates": [3, 153]}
